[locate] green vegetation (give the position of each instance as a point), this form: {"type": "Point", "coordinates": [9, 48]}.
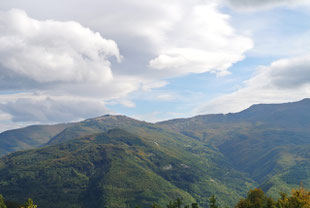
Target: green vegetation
{"type": "Point", "coordinates": [256, 198]}
{"type": "Point", "coordinates": [2, 204]}
{"type": "Point", "coordinates": [117, 169]}
{"type": "Point", "coordinates": [29, 137]}
{"type": "Point", "coordinates": [300, 198]}
{"type": "Point", "coordinates": [271, 143]}
{"type": "Point", "coordinates": [116, 161]}
{"type": "Point", "coordinates": [8, 204]}
{"type": "Point", "coordinates": [29, 204]}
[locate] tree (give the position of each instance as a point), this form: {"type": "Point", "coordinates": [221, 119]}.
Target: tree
{"type": "Point", "coordinates": [2, 204]}
{"type": "Point", "coordinates": [155, 206]}
{"type": "Point", "coordinates": [300, 198]}
{"type": "Point", "coordinates": [212, 202]}
{"type": "Point", "coordinates": [29, 204]}
{"type": "Point", "coordinates": [194, 205]}
{"type": "Point", "coordinates": [283, 201]}
{"type": "Point", "coordinates": [256, 199]}
{"type": "Point", "coordinates": [178, 203]}
{"type": "Point", "coordinates": [175, 204]}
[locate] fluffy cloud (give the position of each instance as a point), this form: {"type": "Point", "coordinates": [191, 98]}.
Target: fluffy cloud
{"type": "Point", "coordinates": [201, 41]}
{"type": "Point", "coordinates": [283, 81]}
{"type": "Point", "coordinates": [177, 37]}
{"type": "Point", "coordinates": [66, 65]}
{"type": "Point", "coordinates": [265, 4]}
{"type": "Point", "coordinates": [51, 51]}
{"type": "Point", "coordinates": [57, 61]}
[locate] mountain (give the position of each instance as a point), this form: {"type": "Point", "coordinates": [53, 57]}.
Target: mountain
{"type": "Point", "coordinates": [28, 137]}
{"type": "Point", "coordinates": [105, 161]}
{"type": "Point", "coordinates": [270, 142]}
{"type": "Point", "coordinates": [120, 169]}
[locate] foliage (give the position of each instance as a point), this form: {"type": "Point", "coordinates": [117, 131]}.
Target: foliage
{"type": "Point", "coordinates": [10, 204]}
{"type": "Point", "coordinates": [29, 204]}
{"type": "Point", "coordinates": [300, 198]}
{"type": "Point", "coordinates": [212, 203]}
{"type": "Point", "coordinates": [118, 169]}
{"type": "Point", "coordinates": [256, 199]}
{"type": "Point", "coordinates": [108, 161]}
{"type": "Point", "coordinates": [2, 204]}
{"type": "Point", "coordinates": [178, 203]}
{"type": "Point", "coordinates": [271, 143]}
{"type": "Point", "coordinates": [28, 137]}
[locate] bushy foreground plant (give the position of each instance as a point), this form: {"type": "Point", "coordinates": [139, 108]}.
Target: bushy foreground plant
{"type": "Point", "coordinates": [300, 198]}
{"type": "Point", "coordinates": [9, 204]}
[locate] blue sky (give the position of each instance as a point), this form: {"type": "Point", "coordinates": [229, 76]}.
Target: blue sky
{"type": "Point", "coordinates": [155, 60]}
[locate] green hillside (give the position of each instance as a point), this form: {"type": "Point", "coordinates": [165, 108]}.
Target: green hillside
{"type": "Point", "coordinates": [268, 142]}
{"type": "Point", "coordinates": [107, 161]}
{"type": "Point", "coordinates": [119, 169]}
{"type": "Point", "coordinates": [28, 137]}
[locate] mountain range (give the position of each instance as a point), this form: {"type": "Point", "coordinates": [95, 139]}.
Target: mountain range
{"type": "Point", "coordinates": [117, 161]}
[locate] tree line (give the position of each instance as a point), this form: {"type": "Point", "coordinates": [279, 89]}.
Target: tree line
{"type": "Point", "coordinates": [256, 198]}
{"type": "Point", "coordinates": [9, 204]}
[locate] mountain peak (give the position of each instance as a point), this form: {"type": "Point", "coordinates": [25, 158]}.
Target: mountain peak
{"type": "Point", "coordinates": [110, 117]}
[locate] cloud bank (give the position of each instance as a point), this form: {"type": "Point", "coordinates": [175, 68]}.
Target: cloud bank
{"type": "Point", "coordinates": [283, 81]}
{"type": "Point", "coordinates": [57, 70]}
{"type": "Point", "coordinates": [47, 109]}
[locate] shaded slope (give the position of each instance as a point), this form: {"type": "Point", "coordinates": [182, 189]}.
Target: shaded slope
{"type": "Point", "coordinates": [261, 141]}
{"type": "Point", "coordinates": [28, 137]}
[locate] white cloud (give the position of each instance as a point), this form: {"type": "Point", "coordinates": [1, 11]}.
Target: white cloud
{"type": "Point", "coordinates": [266, 4]}
{"type": "Point", "coordinates": [201, 41]}
{"type": "Point", "coordinates": [283, 81]}
{"type": "Point", "coordinates": [127, 103]}
{"type": "Point", "coordinates": [63, 67]}
{"type": "Point", "coordinates": [47, 109]}
{"type": "Point", "coordinates": [52, 51]}
{"type": "Point", "coordinates": [178, 36]}
{"type": "Point", "coordinates": [155, 84]}
{"type": "Point", "coordinates": [45, 54]}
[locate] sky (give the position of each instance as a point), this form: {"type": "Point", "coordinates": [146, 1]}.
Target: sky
{"type": "Point", "coordinates": [64, 61]}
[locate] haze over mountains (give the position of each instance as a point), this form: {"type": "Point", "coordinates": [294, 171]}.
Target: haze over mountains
{"type": "Point", "coordinates": [116, 161]}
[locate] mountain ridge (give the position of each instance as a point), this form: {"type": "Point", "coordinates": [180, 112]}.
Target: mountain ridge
{"type": "Point", "coordinates": [28, 137]}
{"type": "Point", "coordinates": [265, 146]}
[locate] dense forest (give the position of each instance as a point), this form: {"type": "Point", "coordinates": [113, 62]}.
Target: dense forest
{"type": "Point", "coordinates": [256, 198]}
{"type": "Point", "coordinates": [117, 161]}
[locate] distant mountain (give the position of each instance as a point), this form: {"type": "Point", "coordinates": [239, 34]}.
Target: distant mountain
{"type": "Point", "coordinates": [270, 142]}
{"type": "Point", "coordinates": [29, 137]}
{"type": "Point", "coordinates": [102, 124]}
{"type": "Point", "coordinates": [103, 161]}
